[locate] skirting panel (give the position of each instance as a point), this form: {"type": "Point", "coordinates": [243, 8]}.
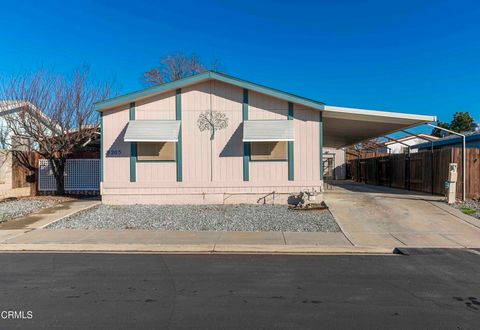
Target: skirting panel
{"type": "Point", "coordinates": [179, 199]}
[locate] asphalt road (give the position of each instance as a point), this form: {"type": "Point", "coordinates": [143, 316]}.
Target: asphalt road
{"type": "Point", "coordinates": [426, 290]}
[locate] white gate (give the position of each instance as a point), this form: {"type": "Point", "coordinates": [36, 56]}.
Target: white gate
{"type": "Point", "coordinates": [81, 175]}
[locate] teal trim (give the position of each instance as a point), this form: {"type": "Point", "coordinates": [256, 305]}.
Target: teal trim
{"type": "Point", "coordinates": [131, 97]}
{"type": "Point", "coordinates": [156, 161]}
{"type": "Point", "coordinates": [246, 145]}
{"type": "Point", "coordinates": [320, 128]}
{"type": "Point", "coordinates": [102, 155]}
{"type": "Point", "coordinates": [133, 161]}
{"type": "Point", "coordinates": [268, 160]}
{"type": "Point", "coordinates": [178, 104]}
{"type": "Point", "coordinates": [291, 161]}
{"type": "Point", "coordinates": [132, 111]}
{"type": "Point", "coordinates": [245, 105]}
{"type": "Point", "coordinates": [290, 111]}
{"type": "Point", "coordinates": [178, 149]}
{"type": "Point", "coordinates": [246, 161]}
{"type": "Point", "coordinates": [133, 149]}
{"type": "Point", "coordinates": [291, 169]}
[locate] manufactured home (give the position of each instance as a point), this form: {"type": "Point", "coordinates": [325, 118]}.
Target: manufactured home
{"type": "Point", "coordinates": [212, 138]}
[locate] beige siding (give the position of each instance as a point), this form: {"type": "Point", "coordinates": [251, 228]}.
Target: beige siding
{"type": "Point", "coordinates": [264, 107]}
{"type": "Point", "coordinates": [228, 145]}
{"type": "Point", "coordinates": [307, 144]}
{"type": "Point", "coordinates": [196, 145]}
{"type": "Point", "coordinates": [160, 107]}
{"type": "Point", "coordinates": [156, 172]}
{"type": "Point", "coordinates": [117, 152]}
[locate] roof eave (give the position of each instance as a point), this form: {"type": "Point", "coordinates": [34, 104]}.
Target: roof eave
{"type": "Point", "coordinates": [135, 96]}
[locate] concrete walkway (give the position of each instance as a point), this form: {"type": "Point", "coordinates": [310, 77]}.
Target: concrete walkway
{"type": "Point", "coordinates": [42, 218]}
{"type": "Point", "coordinates": [48, 215]}
{"type": "Point", "coordinates": [180, 241]}
{"type": "Point", "coordinates": [107, 236]}
{"type": "Point", "coordinates": [379, 216]}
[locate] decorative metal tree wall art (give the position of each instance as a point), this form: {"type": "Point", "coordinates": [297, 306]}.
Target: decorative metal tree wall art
{"type": "Point", "coordinates": [212, 121]}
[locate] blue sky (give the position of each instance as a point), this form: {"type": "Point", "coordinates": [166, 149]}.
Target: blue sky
{"type": "Point", "coordinates": [407, 56]}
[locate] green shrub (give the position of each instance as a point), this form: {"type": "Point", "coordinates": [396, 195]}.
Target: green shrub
{"type": "Point", "coordinates": [468, 210]}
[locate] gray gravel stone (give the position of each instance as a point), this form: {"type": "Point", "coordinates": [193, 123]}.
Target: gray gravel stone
{"type": "Point", "coordinates": [241, 217]}
{"type": "Point", "coordinates": [21, 207]}
{"type": "Point", "coordinates": [470, 204]}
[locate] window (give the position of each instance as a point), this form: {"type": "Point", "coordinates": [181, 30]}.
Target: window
{"type": "Point", "coordinates": [156, 151]}
{"type": "Point", "coordinates": [268, 150]}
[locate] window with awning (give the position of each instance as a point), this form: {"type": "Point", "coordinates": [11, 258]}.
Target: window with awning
{"type": "Point", "coordinates": [155, 139]}
{"type": "Point", "coordinates": [268, 130]}
{"type": "Point", "coordinates": [152, 131]}
{"type": "Point", "coordinates": [268, 138]}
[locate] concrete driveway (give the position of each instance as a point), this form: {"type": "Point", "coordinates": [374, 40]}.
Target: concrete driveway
{"type": "Point", "coordinates": [380, 216]}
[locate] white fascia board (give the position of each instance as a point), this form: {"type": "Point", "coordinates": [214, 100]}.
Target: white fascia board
{"type": "Point", "coordinates": [267, 140]}
{"type": "Point", "coordinates": [149, 140]}
{"type": "Point", "coordinates": [331, 111]}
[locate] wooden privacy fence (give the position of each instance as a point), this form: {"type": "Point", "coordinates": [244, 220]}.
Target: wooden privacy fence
{"type": "Point", "coordinates": [424, 171]}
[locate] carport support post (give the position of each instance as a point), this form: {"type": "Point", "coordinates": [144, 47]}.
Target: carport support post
{"type": "Point", "coordinates": [431, 161]}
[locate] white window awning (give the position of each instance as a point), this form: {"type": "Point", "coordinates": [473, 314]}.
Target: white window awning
{"type": "Point", "coordinates": [268, 130]}
{"type": "Point", "coordinates": [152, 131]}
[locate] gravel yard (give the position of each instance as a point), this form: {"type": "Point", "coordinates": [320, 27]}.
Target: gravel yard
{"type": "Point", "coordinates": [16, 208]}
{"type": "Point", "coordinates": [469, 207]}
{"type": "Point", "coordinates": [201, 217]}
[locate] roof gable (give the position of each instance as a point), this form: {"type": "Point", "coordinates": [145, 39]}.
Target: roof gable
{"type": "Point", "coordinates": [158, 89]}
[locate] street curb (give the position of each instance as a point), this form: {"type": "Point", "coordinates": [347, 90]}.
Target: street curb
{"type": "Point", "coordinates": [198, 248]}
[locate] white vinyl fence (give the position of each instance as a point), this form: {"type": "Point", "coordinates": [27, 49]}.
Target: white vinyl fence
{"type": "Point", "coordinates": [81, 175]}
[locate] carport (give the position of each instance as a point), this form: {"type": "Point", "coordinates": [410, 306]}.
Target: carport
{"type": "Point", "coordinates": [343, 127]}
{"type": "Point", "coordinates": [358, 125]}
{"type": "Point", "coordinates": [347, 126]}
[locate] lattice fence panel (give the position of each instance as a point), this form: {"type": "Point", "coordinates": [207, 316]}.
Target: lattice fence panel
{"type": "Point", "coordinates": [81, 175]}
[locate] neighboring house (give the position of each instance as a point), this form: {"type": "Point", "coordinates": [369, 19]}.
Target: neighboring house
{"type": "Point", "coordinates": [9, 108]}
{"type": "Point", "coordinates": [472, 140]}
{"type": "Point", "coordinates": [157, 146]}
{"type": "Point", "coordinates": [396, 147]}
{"type": "Point", "coordinates": [13, 177]}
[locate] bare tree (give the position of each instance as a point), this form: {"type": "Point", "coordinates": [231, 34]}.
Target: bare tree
{"type": "Point", "coordinates": [174, 67]}
{"type": "Point", "coordinates": [56, 116]}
